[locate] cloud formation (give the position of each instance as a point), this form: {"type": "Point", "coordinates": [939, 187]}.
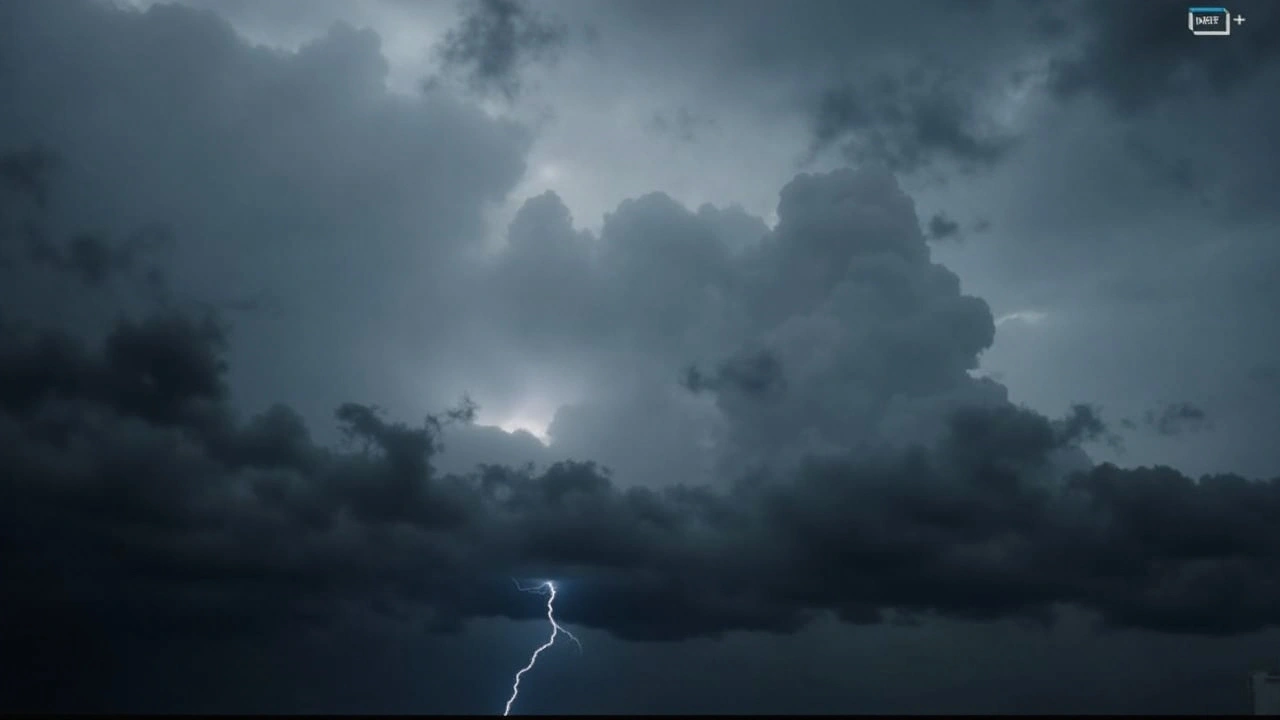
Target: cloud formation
{"type": "Point", "coordinates": [758, 426]}
{"type": "Point", "coordinates": [128, 479]}
{"type": "Point", "coordinates": [131, 479]}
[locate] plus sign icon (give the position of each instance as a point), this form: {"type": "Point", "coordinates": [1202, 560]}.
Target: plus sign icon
{"type": "Point", "coordinates": [1212, 20]}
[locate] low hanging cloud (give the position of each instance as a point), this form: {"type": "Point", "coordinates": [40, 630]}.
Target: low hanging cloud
{"type": "Point", "coordinates": [133, 481]}
{"type": "Point", "coordinates": [130, 482]}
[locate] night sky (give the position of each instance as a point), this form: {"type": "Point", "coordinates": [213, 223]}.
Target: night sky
{"type": "Point", "coordinates": [829, 356]}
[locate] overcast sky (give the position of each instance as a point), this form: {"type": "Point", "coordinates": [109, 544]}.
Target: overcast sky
{"type": "Point", "coordinates": [829, 356]}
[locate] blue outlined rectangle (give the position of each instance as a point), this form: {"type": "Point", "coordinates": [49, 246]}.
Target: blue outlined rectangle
{"type": "Point", "coordinates": [1209, 21]}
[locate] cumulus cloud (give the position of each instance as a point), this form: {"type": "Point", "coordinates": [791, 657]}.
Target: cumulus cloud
{"type": "Point", "coordinates": [840, 303]}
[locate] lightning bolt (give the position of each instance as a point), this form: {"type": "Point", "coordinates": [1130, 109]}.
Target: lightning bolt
{"type": "Point", "coordinates": [549, 588]}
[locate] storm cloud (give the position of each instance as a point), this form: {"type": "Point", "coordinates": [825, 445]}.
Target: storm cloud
{"type": "Point", "coordinates": [131, 477]}
{"type": "Point", "coordinates": [247, 294]}
{"type": "Point", "coordinates": [1142, 64]}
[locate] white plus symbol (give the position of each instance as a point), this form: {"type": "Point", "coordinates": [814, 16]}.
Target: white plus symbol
{"type": "Point", "coordinates": [1239, 20]}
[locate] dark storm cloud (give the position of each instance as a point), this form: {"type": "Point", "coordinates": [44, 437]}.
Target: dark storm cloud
{"type": "Point", "coordinates": [1177, 418]}
{"type": "Point", "coordinates": [28, 241]}
{"type": "Point", "coordinates": [127, 478]}
{"type": "Point", "coordinates": [851, 465]}
{"type": "Point", "coordinates": [1136, 83]}
{"type": "Point", "coordinates": [906, 123]}
{"type": "Point", "coordinates": [294, 176]}
{"type": "Point", "coordinates": [138, 500]}
{"type": "Point", "coordinates": [1136, 54]}
{"type": "Point", "coordinates": [496, 40]}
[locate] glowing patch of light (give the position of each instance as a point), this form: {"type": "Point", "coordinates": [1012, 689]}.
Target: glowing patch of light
{"type": "Point", "coordinates": [550, 173]}
{"type": "Point", "coordinates": [536, 428]}
{"type": "Point", "coordinates": [549, 588]}
{"type": "Point", "coordinates": [532, 414]}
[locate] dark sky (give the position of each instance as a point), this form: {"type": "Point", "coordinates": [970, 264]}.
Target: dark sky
{"type": "Point", "coordinates": [830, 356]}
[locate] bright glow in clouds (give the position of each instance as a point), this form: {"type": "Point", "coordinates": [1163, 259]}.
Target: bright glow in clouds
{"type": "Point", "coordinates": [1024, 317]}
{"type": "Point", "coordinates": [536, 428]}
{"type": "Point", "coordinates": [550, 589]}
{"type": "Point", "coordinates": [531, 414]}
{"type": "Point", "coordinates": [549, 172]}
